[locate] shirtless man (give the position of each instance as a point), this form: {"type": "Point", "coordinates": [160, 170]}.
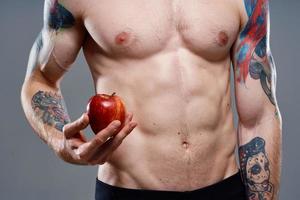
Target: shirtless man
{"type": "Point", "coordinates": [170, 62]}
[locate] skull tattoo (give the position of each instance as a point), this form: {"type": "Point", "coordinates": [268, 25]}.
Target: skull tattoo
{"type": "Point", "coordinates": [256, 170]}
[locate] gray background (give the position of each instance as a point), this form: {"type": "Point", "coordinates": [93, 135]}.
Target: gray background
{"type": "Point", "coordinates": [29, 170]}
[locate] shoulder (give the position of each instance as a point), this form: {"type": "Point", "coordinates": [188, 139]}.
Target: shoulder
{"type": "Point", "coordinates": [61, 7]}
{"type": "Point", "coordinates": [62, 13]}
{"type": "Point", "coordinates": [252, 10]}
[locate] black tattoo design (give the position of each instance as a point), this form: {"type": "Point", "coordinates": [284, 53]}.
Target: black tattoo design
{"type": "Point", "coordinates": [60, 17]}
{"type": "Point", "coordinates": [255, 170]}
{"type": "Point", "coordinates": [262, 72]}
{"type": "Point", "coordinates": [50, 108]}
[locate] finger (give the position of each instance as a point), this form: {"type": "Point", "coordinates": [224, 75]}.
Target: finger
{"type": "Point", "coordinates": [75, 143]}
{"type": "Point", "coordinates": [128, 118]}
{"type": "Point", "coordinates": [76, 126]}
{"type": "Point", "coordinates": [100, 155]}
{"type": "Point", "coordinates": [100, 139]}
{"type": "Point", "coordinates": [80, 136]}
{"type": "Point", "coordinates": [108, 143]}
{"type": "Point", "coordinates": [118, 139]}
{"type": "Point", "coordinates": [113, 144]}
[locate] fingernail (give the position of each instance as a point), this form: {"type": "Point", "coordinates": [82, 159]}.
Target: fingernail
{"type": "Point", "coordinates": [116, 123]}
{"type": "Point", "coordinates": [134, 124]}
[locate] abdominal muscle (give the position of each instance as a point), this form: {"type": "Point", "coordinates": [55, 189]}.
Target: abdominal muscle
{"type": "Point", "coordinates": [185, 137]}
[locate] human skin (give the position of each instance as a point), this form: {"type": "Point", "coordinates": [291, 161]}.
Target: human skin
{"type": "Point", "coordinates": [170, 62]}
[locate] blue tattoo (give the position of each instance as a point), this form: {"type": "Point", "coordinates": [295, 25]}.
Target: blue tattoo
{"type": "Point", "coordinates": [50, 108]}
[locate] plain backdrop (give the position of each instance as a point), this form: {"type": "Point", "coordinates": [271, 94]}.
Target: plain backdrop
{"type": "Point", "coordinates": [29, 170]}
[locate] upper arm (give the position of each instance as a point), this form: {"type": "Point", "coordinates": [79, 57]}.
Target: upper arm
{"type": "Point", "coordinates": [59, 41]}
{"type": "Point", "coordinates": [254, 69]}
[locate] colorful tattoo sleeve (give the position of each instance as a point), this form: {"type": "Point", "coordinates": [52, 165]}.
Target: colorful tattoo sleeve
{"type": "Point", "coordinates": [50, 108]}
{"type": "Point", "coordinates": [252, 56]}
{"type": "Point", "coordinates": [59, 17]}
{"type": "Point", "coordinates": [255, 170]}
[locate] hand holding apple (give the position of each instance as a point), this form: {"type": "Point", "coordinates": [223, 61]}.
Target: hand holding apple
{"type": "Point", "coordinates": [102, 109]}
{"type": "Point", "coordinates": [107, 114]}
{"type": "Point", "coordinates": [98, 150]}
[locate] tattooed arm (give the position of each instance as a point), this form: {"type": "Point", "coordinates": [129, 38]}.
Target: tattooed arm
{"type": "Point", "coordinates": [259, 128]}
{"type": "Point", "coordinates": [52, 54]}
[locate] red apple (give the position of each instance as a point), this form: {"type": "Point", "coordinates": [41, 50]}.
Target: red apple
{"type": "Point", "coordinates": [102, 109]}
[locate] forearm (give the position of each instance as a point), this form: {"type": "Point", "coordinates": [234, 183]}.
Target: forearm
{"type": "Point", "coordinates": [44, 108]}
{"type": "Point", "coordinates": [260, 157]}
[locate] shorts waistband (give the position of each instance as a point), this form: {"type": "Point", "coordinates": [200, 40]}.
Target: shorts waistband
{"type": "Point", "coordinates": [229, 186]}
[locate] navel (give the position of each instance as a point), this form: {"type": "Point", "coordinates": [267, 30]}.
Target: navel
{"type": "Point", "coordinates": [185, 145]}
{"type": "Point", "coordinates": [222, 38]}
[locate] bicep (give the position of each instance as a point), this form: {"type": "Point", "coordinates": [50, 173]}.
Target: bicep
{"type": "Point", "coordinates": [254, 69]}
{"type": "Point", "coordinates": [59, 41]}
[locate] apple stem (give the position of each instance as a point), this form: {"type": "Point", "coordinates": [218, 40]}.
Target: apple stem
{"type": "Point", "coordinates": [113, 94]}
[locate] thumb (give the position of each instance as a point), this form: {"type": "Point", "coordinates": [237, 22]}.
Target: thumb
{"type": "Point", "coordinates": [73, 128]}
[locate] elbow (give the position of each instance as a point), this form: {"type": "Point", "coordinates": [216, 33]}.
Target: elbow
{"type": "Point", "coordinates": [39, 76]}
{"type": "Point", "coordinates": [252, 119]}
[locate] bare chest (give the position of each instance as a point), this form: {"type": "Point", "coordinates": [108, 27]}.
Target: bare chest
{"type": "Point", "coordinates": [141, 28]}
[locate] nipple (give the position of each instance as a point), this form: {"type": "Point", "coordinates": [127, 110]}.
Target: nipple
{"type": "Point", "coordinates": [222, 39]}
{"type": "Point", "coordinates": [122, 38]}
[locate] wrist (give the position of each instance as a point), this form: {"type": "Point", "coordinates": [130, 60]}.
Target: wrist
{"type": "Point", "coordinates": [58, 145]}
{"type": "Point", "coordinates": [56, 142]}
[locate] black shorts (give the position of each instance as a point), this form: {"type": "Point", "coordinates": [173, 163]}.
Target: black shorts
{"type": "Point", "coordinates": [230, 188]}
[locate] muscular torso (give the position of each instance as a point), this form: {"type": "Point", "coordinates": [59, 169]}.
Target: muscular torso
{"type": "Point", "coordinates": [170, 62]}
